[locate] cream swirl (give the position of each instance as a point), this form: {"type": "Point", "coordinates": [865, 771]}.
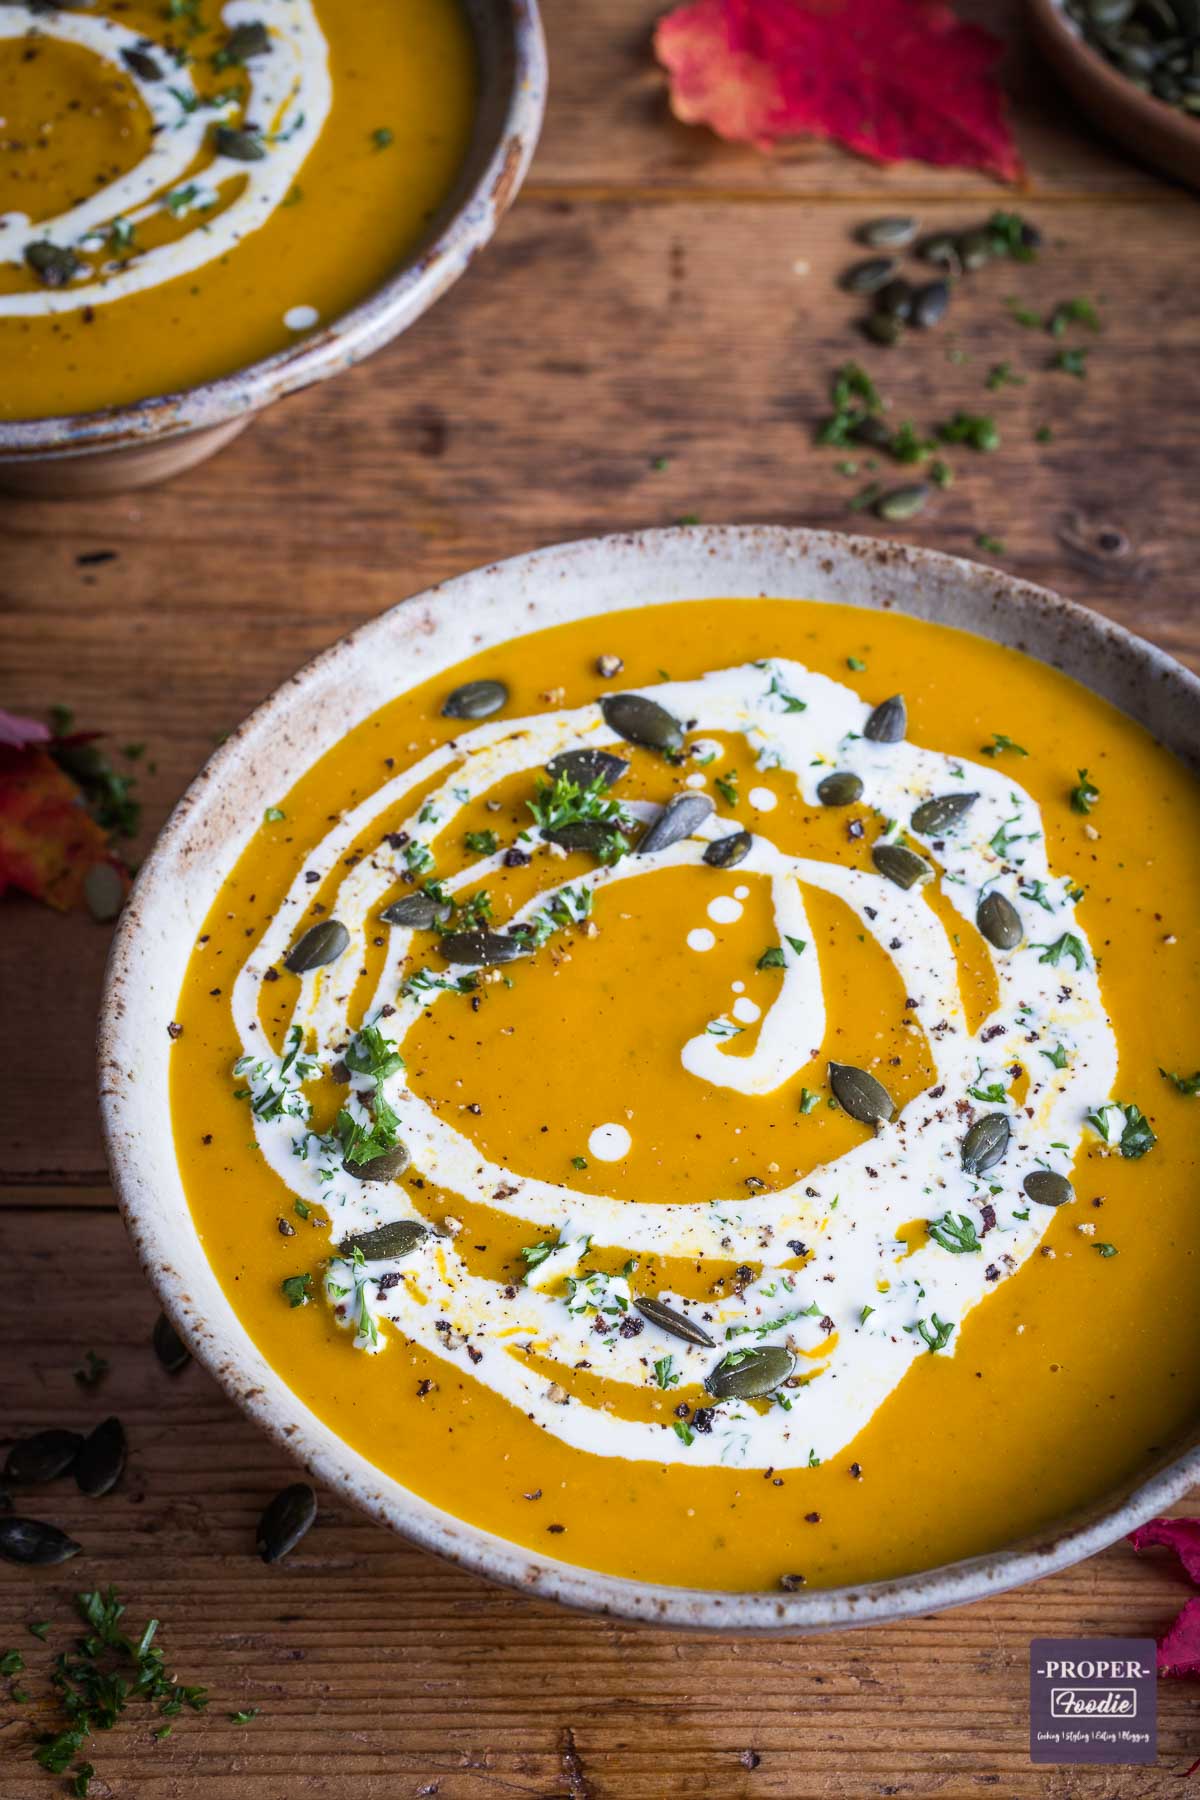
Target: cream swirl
{"type": "Point", "coordinates": [289, 96]}
{"type": "Point", "coordinates": [860, 1309]}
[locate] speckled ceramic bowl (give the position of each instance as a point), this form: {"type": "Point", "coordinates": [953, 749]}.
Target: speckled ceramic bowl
{"type": "Point", "coordinates": [406, 646]}
{"type": "Point", "coordinates": [132, 446]}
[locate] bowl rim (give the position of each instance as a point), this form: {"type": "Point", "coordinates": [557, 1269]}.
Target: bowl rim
{"type": "Point", "coordinates": [366, 326]}
{"type": "Point", "coordinates": [743, 561]}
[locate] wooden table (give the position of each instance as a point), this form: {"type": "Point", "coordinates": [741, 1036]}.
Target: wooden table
{"type": "Point", "coordinates": [654, 294]}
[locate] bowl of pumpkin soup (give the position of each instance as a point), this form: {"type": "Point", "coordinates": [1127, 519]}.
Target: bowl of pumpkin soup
{"type": "Point", "coordinates": [208, 206]}
{"type": "Point", "coordinates": [665, 1070]}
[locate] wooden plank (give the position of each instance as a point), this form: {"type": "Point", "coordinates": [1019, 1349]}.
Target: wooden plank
{"type": "Point", "coordinates": [498, 425]}
{"type": "Point", "coordinates": [608, 127]}
{"type": "Point", "coordinates": [380, 1670]}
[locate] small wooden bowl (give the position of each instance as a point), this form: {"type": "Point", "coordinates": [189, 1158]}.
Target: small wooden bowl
{"type": "Point", "coordinates": [1155, 132]}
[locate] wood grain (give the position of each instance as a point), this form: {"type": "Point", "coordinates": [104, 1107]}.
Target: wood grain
{"type": "Point", "coordinates": [654, 294]}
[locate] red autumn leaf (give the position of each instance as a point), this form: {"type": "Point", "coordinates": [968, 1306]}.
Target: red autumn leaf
{"type": "Point", "coordinates": [1179, 1646]}
{"type": "Point", "coordinates": [890, 79]}
{"type": "Point", "coordinates": [48, 839]}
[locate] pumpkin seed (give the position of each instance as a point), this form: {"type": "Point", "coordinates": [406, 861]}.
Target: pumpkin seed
{"type": "Point", "coordinates": [285, 1521]}
{"type": "Point", "coordinates": [480, 949]}
{"type": "Point", "coordinates": [999, 921]}
{"type": "Point", "coordinates": [53, 266]}
{"type": "Point", "coordinates": [101, 1462]}
{"type": "Point", "coordinates": [941, 248]}
{"type": "Point", "coordinates": [1047, 1188]}
{"type": "Point", "coordinates": [933, 816]}
{"type": "Point", "coordinates": [586, 767]}
{"type": "Point", "coordinates": [842, 789]}
{"type": "Point", "coordinates": [891, 233]}
{"type": "Point", "coordinates": [239, 145]}
{"type": "Point", "coordinates": [673, 1323]}
{"type": "Point", "coordinates": [398, 1238]}
{"type": "Point", "coordinates": [930, 304]}
{"type": "Point", "coordinates": [896, 297]}
{"type": "Point", "coordinates": [104, 892]}
{"type": "Point", "coordinates": [727, 852]}
{"type": "Point", "coordinates": [43, 1457]}
{"type": "Point", "coordinates": [974, 249]}
{"type": "Point", "coordinates": [889, 722]}
{"type": "Point", "coordinates": [242, 43]}
{"type": "Point", "coordinates": [859, 1094]}
{"type": "Point", "coordinates": [747, 1374]}
{"type": "Point", "coordinates": [419, 912]}
{"type": "Point", "coordinates": [592, 835]}
{"type": "Point", "coordinates": [903, 503]}
{"type": "Point", "coordinates": [384, 1167]}
{"type": "Point", "coordinates": [322, 943]}
{"type": "Point", "coordinates": [169, 1347]}
{"type": "Point", "coordinates": [641, 721]}
{"type": "Point", "coordinates": [677, 820]}
{"type": "Point", "coordinates": [868, 277]}
{"type": "Point", "coordinates": [141, 63]}
{"type": "Point", "coordinates": [475, 700]}
{"type": "Point", "coordinates": [986, 1143]}
{"type": "Point", "coordinates": [900, 865]}
{"type": "Point", "coordinates": [35, 1545]}
{"type": "Point", "coordinates": [883, 327]}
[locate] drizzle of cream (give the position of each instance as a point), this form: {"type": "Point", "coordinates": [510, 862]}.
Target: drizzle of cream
{"type": "Point", "coordinates": [724, 910]}
{"type": "Point", "coordinates": [289, 99]}
{"type": "Point", "coordinates": [762, 799]}
{"type": "Point", "coordinates": [701, 938]}
{"type": "Point", "coordinates": [849, 1210]}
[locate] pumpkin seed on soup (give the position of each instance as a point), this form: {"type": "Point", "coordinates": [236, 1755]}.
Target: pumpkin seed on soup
{"type": "Point", "coordinates": [639, 720]}
{"type": "Point", "coordinates": [480, 949]}
{"type": "Point", "coordinates": [986, 1143]}
{"type": "Point", "coordinates": [749, 1374]}
{"type": "Point", "coordinates": [727, 852]}
{"type": "Point", "coordinates": [399, 1238]}
{"type": "Point", "coordinates": [595, 836]}
{"type": "Point", "coordinates": [859, 1094]}
{"type": "Point", "coordinates": [384, 1167]}
{"type": "Point", "coordinates": [475, 700]}
{"type": "Point", "coordinates": [889, 721]}
{"type": "Point", "coordinates": [586, 767]}
{"type": "Point", "coordinates": [673, 1323]}
{"type": "Point", "coordinates": [322, 943]}
{"type": "Point", "coordinates": [419, 912]}
{"type": "Point", "coordinates": [843, 789]}
{"type": "Point", "coordinates": [239, 145]}
{"type": "Point", "coordinates": [1047, 1188]}
{"type": "Point", "coordinates": [903, 867]}
{"type": "Point", "coordinates": [999, 921]}
{"type": "Point", "coordinates": [933, 817]}
{"type": "Point", "coordinates": [679, 819]}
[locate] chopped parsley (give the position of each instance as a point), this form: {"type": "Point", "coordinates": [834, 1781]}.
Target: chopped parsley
{"type": "Point", "coordinates": [1124, 1126]}
{"type": "Point", "coordinates": [1071, 362]}
{"type": "Point", "coordinates": [481, 843]}
{"type": "Point", "coordinates": [1186, 1084]}
{"type": "Point", "coordinates": [297, 1288]}
{"type": "Point", "coordinates": [957, 1236]}
{"type": "Point", "coordinates": [976, 430]}
{"type": "Point", "coordinates": [1085, 794]}
{"type": "Point", "coordinates": [772, 958]}
{"type": "Point", "coordinates": [1000, 743]}
{"type": "Point", "coordinates": [727, 787]}
{"type": "Point", "coordinates": [1067, 945]}
{"type": "Point", "coordinates": [934, 1333]}
{"type": "Point", "coordinates": [1079, 311]}
{"type": "Point", "coordinates": [664, 1372]}
{"type": "Point", "coordinates": [1057, 1056]}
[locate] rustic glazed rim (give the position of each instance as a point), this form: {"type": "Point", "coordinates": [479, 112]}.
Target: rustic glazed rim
{"type": "Point", "coordinates": [402, 648]}
{"type": "Point", "coordinates": [471, 220]}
